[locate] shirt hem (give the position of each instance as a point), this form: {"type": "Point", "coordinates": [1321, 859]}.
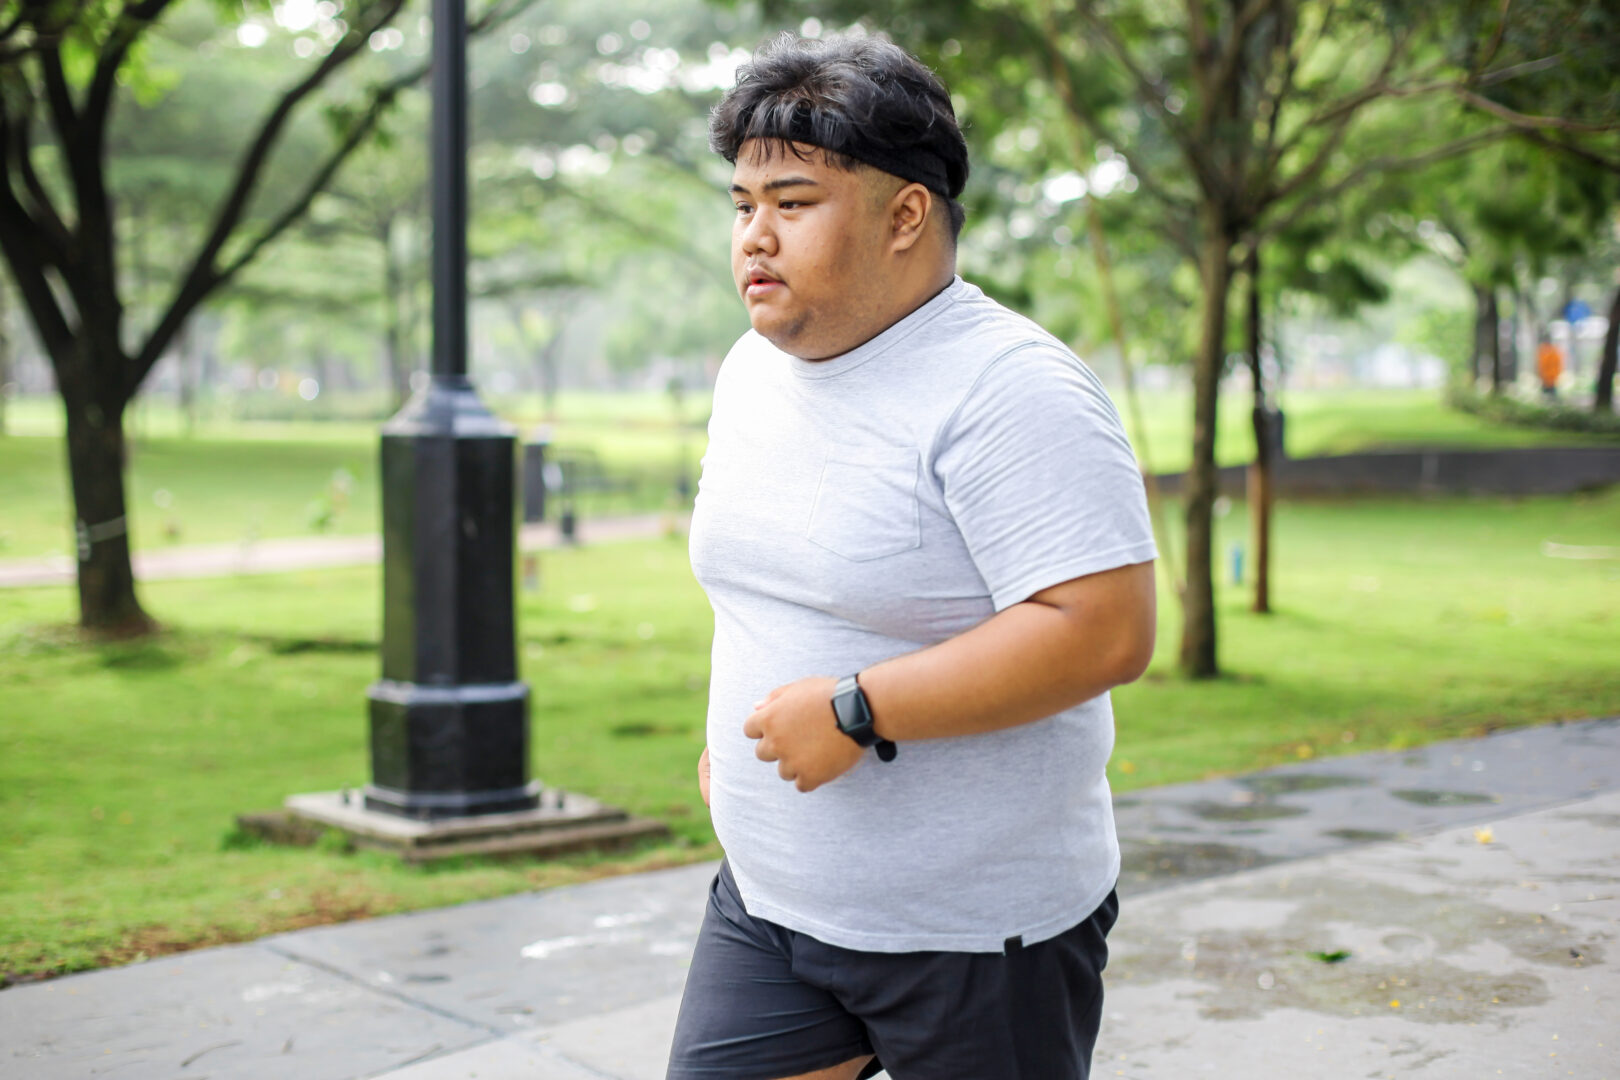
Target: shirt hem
{"type": "Point", "coordinates": [858, 941]}
{"type": "Point", "coordinates": [1131, 554]}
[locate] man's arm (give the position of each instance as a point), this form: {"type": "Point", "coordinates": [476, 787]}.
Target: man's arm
{"type": "Point", "coordinates": [1064, 645]}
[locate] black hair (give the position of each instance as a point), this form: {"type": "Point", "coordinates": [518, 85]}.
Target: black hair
{"type": "Point", "coordinates": [860, 100]}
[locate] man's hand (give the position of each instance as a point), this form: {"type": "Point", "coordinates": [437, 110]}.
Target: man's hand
{"type": "Point", "coordinates": [703, 776]}
{"type": "Point", "coordinates": [796, 729]}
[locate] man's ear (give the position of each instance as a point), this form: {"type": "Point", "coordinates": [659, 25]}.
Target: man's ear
{"type": "Point", "coordinates": [909, 212]}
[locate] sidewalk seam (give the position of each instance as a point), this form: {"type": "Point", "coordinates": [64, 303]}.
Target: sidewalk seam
{"type": "Point", "coordinates": [403, 998]}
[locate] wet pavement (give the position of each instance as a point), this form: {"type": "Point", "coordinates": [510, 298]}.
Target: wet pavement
{"type": "Point", "coordinates": [1186, 832]}
{"type": "Point", "coordinates": [1451, 911]}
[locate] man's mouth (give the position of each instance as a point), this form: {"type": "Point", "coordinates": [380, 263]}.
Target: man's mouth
{"type": "Point", "coordinates": [760, 283]}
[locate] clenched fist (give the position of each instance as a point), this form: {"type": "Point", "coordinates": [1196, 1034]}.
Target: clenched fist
{"type": "Point", "coordinates": [796, 729]}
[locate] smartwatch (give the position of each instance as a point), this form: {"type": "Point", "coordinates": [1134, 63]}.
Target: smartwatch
{"type": "Point", "coordinates": [854, 716]}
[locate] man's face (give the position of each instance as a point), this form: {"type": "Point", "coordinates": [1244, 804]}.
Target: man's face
{"type": "Point", "coordinates": [809, 249]}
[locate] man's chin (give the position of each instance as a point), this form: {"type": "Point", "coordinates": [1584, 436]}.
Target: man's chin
{"type": "Point", "coordinates": [782, 333]}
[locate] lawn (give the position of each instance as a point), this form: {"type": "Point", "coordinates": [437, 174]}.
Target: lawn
{"type": "Point", "coordinates": [121, 766]}
{"type": "Point", "coordinates": [236, 482]}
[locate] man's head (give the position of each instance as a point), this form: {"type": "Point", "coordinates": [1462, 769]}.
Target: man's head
{"type": "Point", "coordinates": [848, 165]}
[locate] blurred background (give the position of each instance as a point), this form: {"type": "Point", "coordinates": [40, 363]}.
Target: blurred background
{"type": "Point", "coordinates": [1280, 231]}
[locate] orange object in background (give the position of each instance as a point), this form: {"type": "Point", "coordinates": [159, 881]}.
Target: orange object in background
{"type": "Point", "coordinates": [1549, 364]}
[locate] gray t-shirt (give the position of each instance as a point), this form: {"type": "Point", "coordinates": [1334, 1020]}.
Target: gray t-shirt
{"type": "Point", "coordinates": [858, 508]}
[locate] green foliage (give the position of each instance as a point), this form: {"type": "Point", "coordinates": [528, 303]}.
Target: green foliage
{"type": "Point", "coordinates": [1442, 332]}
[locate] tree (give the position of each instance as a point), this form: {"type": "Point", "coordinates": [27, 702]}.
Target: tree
{"type": "Point", "coordinates": [65, 63]}
{"type": "Point", "coordinates": [1239, 119]}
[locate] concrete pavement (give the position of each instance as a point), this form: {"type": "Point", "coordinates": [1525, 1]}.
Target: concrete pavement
{"type": "Point", "coordinates": [312, 552]}
{"type": "Point", "coordinates": [1445, 912]}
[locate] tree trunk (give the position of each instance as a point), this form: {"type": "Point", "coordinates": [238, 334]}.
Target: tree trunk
{"type": "Point", "coordinates": [1260, 473]}
{"type": "Point", "coordinates": [1495, 319]}
{"type": "Point", "coordinates": [1479, 367]}
{"type": "Point", "coordinates": [1510, 355]}
{"type": "Point", "coordinates": [1198, 653]}
{"type": "Point", "coordinates": [399, 374]}
{"type": "Point", "coordinates": [1603, 392]}
{"type": "Point", "coordinates": [96, 459]}
{"type": "Point", "coordinates": [5, 361]}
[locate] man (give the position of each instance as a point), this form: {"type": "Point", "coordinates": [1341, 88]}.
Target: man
{"type": "Point", "coordinates": [925, 540]}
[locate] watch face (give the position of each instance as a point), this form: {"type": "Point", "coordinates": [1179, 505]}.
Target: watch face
{"type": "Point", "coordinates": [854, 715]}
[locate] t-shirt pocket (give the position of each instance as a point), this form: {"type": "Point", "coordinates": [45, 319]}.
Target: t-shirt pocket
{"type": "Point", "coordinates": [866, 504]}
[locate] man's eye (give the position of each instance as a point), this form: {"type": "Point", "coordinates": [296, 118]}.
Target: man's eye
{"type": "Point", "coordinates": [789, 204]}
{"type": "Point", "coordinates": [743, 208]}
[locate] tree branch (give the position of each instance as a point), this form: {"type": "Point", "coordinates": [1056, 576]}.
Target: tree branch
{"type": "Point", "coordinates": [1226, 66]}
{"type": "Point", "coordinates": [65, 117]}
{"type": "Point", "coordinates": [1369, 168]}
{"type": "Point", "coordinates": [1176, 226]}
{"type": "Point", "coordinates": [1524, 120]}
{"type": "Point", "coordinates": [18, 237]}
{"type": "Point", "coordinates": [1151, 92]}
{"type": "Point", "coordinates": [1343, 110]}
{"type": "Point", "coordinates": [1540, 138]}
{"type": "Point", "coordinates": [17, 141]}
{"type": "Point", "coordinates": [133, 21]}
{"type": "Point", "coordinates": [206, 277]}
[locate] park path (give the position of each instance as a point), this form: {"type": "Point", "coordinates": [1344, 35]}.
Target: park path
{"type": "Point", "coordinates": [1445, 912]}
{"type": "Point", "coordinates": [274, 556]}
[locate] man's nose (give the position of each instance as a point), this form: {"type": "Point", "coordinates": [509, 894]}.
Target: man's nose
{"type": "Point", "coordinates": [758, 236]}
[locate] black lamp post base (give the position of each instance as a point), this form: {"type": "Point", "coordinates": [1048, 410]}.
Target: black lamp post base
{"type": "Point", "coordinates": [452, 804]}
{"type": "Point", "coordinates": [449, 751]}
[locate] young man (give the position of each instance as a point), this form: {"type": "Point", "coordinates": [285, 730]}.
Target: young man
{"type": "Point", "coordinates": [925, 540]}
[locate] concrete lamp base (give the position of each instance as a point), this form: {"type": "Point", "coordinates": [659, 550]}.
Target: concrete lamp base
{"type": "Point", "coordinates": [563, 824]}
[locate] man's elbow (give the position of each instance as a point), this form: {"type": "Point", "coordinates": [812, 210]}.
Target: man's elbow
{"type": "Point", "coordinates": [1133, 650]}
{"type": "Point", "coordinates": [1135, 653]}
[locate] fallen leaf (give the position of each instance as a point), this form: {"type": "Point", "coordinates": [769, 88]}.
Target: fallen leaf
{"type": "Point", "coordinates": [1485, 835]}
{"type": "Point", "coordinates": [1331, 957]}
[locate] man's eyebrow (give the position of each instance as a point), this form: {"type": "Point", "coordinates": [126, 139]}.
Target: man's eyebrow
{"type": "Point", "coordinates": [775, 185]}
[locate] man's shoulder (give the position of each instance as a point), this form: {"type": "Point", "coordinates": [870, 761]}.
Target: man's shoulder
{"type": "Point", "coordinates": [982, 330]}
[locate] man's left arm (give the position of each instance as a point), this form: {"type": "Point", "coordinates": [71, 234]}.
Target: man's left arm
{"type": "Point", "coordinates": [1063, 645]}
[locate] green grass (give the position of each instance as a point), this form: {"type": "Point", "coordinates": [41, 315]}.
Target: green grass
{"type": "Point", "coordinates": [121, 766]}
{"type": "Point", "coordinates": [234, 482]}
{"type": "Point", "coordinates": [237, 482]}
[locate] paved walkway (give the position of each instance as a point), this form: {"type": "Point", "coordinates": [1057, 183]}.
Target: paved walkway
{"type": "Point", "coordinates": [312, 552]}
{"type": "Point", "coordinates": [1447, 912]}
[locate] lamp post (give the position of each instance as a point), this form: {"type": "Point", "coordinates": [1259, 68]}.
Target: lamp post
{"type": "Point", "coordinates": [449, 717]}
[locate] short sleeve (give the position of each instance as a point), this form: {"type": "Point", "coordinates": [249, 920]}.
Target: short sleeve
{"type": "Point", "coordinates": [1037, 472]}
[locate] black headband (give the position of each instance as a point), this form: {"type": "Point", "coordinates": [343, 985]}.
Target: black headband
{"type": "Point", "coordinates": [917, 164]}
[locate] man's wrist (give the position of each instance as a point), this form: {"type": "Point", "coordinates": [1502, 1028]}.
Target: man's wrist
{"type": "Point", "coordinates": [853, 715]}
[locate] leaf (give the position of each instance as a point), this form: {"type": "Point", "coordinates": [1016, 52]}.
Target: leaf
{"type": "Point", "coordinates": [1334, 957]}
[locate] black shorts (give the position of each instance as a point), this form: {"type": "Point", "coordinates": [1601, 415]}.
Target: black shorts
{"type": "Point", "coordinates": [763, 1002]}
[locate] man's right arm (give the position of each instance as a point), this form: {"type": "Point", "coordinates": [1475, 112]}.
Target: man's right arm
{"type": "Point", "coordinates": [703, 776]}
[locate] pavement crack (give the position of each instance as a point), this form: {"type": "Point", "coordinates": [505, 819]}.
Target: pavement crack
{"type": "Point", "coordinates": [209, 1050]}
{"type": "Point", "coordinates": [350, 977]}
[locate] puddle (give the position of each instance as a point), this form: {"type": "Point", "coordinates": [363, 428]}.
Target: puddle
{"type": "Point", "coordinates": [1147, 862]}
{"type": "Point", "coordinates": [1291, 783]}
{"type": "Point", "coordinates": [1253, 970]}
{"type": "Point", "coordinates": [1361, 836]}
{"type": "Point", "coordinates": [1425, 797]}
{"type": "Point", "coordinates": [1256, 811]}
